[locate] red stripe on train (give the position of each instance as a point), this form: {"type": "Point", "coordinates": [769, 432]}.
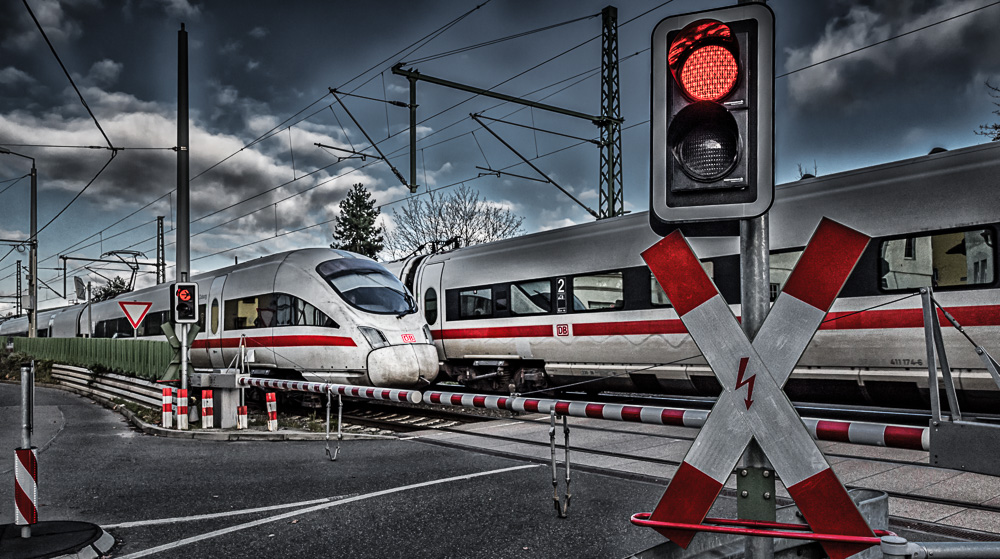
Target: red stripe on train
{"type": "Point", "coordinates": [986, 315]}
{"type": "Point", "coordinates": [276, 341]}
{"type": "Point", "coordinates": [536, 331]}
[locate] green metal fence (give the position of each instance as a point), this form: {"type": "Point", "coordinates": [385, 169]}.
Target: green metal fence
{"type": "Point", "coordinates": [142, 358]}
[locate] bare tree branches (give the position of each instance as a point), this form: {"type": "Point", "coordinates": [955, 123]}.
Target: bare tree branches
{"type": "Point", "coordinates": [991, 131]}
{"type": "Point", "coordinates": [426, 223]}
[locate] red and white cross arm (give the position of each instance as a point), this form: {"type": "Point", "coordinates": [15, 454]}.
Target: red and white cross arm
{"type": "Point", "coordinates": [752, 404]}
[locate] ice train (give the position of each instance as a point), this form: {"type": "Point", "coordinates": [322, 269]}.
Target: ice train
{"type": "Point", "coordinates": [577, 307]}
{"type": "Point", "coordinates": [320, 314]}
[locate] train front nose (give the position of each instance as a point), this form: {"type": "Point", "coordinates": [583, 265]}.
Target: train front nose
{"type": "Point", "coordinates": [402, 366]}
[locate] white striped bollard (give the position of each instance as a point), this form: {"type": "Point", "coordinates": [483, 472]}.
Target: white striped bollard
{"type": "Point", "coordinates": [168, 408]}
{"type": "Point", "coordinates": [25, 486]}
{"type": "Point", "coordinates": [207, 410]}
{"type": "Point", "coordinates": [182, 409]}
{"type": "Point", "coordinates": [272, 411]}
{"type": "Point", "coordinates": [241, 417]}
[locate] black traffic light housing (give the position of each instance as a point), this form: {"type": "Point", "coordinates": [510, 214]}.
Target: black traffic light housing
{"type": "Point", "coordinates": [712, 107]}
{"type": "Point", "coordinates": [184, 303]}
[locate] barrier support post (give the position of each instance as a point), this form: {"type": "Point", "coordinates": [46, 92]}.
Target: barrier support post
{"type": "Point", "coordinates": [26, 496]}
{"type": "Point", "coordinates": [561, 507]}
{"type": "Point", "coordinates": [340, 432]}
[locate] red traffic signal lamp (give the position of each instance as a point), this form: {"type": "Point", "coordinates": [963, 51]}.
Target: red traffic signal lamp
{"type": "Point", "coordinates": [712, 111]}
{"type": "Point", "coordinates": [184, 303]}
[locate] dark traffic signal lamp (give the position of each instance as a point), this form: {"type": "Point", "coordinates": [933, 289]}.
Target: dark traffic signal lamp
{"type": "Point", "coordinates": [184, 303]}
{"type": "Point", "coordinates": [712, 111]}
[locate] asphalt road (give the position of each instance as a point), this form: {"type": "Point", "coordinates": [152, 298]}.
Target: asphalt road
{"type": "Point", "coordinates": [164, 497]}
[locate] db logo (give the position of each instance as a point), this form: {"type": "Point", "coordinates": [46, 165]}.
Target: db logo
{"type": "Point", "coordinates": [562, 329]}
{"type": "Point", "coordinates": [409, 338]}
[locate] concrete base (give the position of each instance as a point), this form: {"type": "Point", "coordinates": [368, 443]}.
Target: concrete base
{"type": "Point", "coordinates": [58, 539]}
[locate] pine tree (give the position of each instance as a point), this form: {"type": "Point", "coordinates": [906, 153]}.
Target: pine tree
{"type": "Point", "coordinates": [355, 229]}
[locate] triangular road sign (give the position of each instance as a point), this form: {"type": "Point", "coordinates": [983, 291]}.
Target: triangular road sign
{"type": "Point", "coordinates": [135, 311]}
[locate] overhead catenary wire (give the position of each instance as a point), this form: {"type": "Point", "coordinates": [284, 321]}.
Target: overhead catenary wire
{"type": "Point", "coordinates": [417, 45]}
{"type": "Point", "coordinates": [498, 40]}
{"type": "Point", "coordinates": [883, 41]}
{"type": "Point", "coordinates": [802, 68]}
{"type": "Point", "coordinates": [65, 71]}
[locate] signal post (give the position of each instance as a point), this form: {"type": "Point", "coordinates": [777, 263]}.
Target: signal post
{"type": "Point", "coordinates": [712, 174]}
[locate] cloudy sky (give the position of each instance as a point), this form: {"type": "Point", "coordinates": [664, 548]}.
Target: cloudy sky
{"type": "Point", "coordinates": [259, 78]}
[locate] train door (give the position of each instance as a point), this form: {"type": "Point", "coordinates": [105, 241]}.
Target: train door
{"type": "Point", "coordinates": [214, 323]}
{"type": "Point", "coordinates": [431, 299]}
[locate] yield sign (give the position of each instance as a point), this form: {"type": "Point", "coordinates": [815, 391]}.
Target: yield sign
{"type": "Point", "coordinates": [135, 311]}
{"type": "Point", "coordinates": [752, 404]}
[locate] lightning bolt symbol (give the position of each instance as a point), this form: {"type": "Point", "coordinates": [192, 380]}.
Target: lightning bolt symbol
{"type": "Point", "coordinates": [749, 380]}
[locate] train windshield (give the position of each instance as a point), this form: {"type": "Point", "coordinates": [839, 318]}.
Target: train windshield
{"type": "Point", "coordinates": [367, 286]}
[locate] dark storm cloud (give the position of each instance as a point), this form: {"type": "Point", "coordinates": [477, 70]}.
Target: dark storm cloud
{"type": "Point", "coordinates": [943, 58]}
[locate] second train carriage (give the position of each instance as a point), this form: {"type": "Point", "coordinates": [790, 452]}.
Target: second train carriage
{"type": "Point", "coordinates": [577, 307]}
{"type": "Point", "coordinates": [319, 314]}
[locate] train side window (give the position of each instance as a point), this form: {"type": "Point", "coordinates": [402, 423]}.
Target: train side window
{"type": "Point", "coordinates": [282, 309]}
{"type": "Point", "coordinates": [598, 292]}
{"type": "Point", "coordinates": [531, 297]}
{"type": "Point", "coordinates": [782, 264]}
{"type": "Point", "coordinates": [475, 303]}
{"type": "Point", "coordinates": [955, 259]}
{"type": "Point", "coordinates": [242, 314]}
{"type": "Point", "coordinates": [215, 316]}
{"type": "Point", "coordinates": [658, 296]}
{"type": "Point", "coordinates": [430, 305]}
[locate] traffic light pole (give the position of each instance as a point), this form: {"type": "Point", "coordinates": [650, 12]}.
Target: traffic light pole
{"type": "Point", "coordinates": [758, 504]}
{"type": "Point", "coordinates": [755, 287]}
{"type": "Point", "coordinates": [183, 258]}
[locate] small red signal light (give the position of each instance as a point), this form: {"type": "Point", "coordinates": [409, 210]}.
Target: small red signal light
{"type": "Point", "coordinates": [703, 60]}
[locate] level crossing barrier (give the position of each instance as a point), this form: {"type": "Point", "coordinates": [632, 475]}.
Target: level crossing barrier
{"type": "Point", "coordinates": [330, 389]}
{"type": "Point", "coordinates": [854, 432]}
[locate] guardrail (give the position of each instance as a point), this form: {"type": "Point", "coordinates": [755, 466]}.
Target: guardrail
{"type": "Point", "coordinates": [108, 386]}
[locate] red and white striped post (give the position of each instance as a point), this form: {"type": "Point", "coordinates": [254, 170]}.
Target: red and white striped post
{"type": "Point", "coordinates": [272, 411]}
{"type": "Point", "coordinates": [168, 408]}
{"type": "Point", "coordinates": [241, 417]}
{"type": "Point", "coordinates": [25, 486]}
{"type": "Point", "coordinates": [207, 410]}
{"type": "Point", "coordinates": [182, 409]}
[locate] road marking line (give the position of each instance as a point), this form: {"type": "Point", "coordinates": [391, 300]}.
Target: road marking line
{"type": "Point", "coordinates": [158, 521]}
{"type": "Point", "coordinates": [224, 531]}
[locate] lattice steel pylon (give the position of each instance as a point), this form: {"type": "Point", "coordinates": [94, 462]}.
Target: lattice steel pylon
{"type": "Point", "coordinates": [18, 304]}
{"type": "Point", "coordinates": [612, 200]}
{"type": "Point", "coordinates": [161, 263]}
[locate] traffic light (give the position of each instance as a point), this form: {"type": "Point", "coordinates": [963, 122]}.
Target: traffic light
{"type": "Point", "coordinates": [712, 111]}
{"type": "Point", "coordinates": [184, 303]}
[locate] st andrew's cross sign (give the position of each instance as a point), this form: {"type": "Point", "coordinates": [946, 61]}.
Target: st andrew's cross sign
{"type": "Point", "coordinates": [752, 404]}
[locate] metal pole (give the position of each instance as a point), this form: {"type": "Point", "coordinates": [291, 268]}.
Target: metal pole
{"type": "Point", "coordinates": [755, 304]}
{"type": "Point", "coordinates": [90, 316]}
{"type": "Point", "coordinates": [184, 354]}
{"type": "Point", "coordinates": [183, 161]}
{"type": "Point", "coordinates": [183, 237]}
{"type": "Point", "coordinates": [932, 385]}
{"type": "Point", "coordinates": [413, 134]}
{"type": "Point", "coordinates": [33, 260]}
